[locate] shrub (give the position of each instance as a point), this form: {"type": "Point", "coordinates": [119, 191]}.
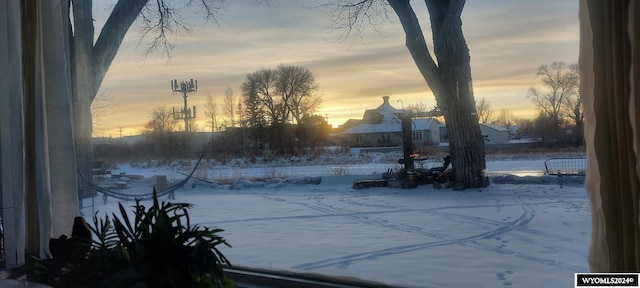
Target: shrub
{"type": "Point", "coordinates": [340, 170]}
{"type": "Point", "coordinates": [160, 248]}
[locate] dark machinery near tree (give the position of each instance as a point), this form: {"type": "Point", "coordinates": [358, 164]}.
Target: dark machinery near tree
{"type": "Point", "coordinates": [410, 176]}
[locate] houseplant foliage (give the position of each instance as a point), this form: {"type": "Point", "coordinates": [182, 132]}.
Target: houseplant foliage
{"type": "Point", "coordinates": [159, 248]}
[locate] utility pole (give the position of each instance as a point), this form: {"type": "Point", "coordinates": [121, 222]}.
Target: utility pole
{"type": "Point", "coordinates": [184, 87]}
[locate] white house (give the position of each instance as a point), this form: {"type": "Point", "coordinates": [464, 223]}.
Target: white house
{"type": "Point", "coordinates": [382, 127]}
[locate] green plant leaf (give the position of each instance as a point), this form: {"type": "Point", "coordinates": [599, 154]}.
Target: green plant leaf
{"type": "Point", "coordinates": [160, 247]}
{"type": "Point", "coordinates": [125, 219]}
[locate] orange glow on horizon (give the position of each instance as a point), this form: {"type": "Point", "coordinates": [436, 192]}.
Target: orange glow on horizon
{"type": "Point", "coordinates": [352, 77]}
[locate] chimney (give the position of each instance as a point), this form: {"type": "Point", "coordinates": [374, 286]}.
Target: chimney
{"type": "Point", "coordinates": [385, 100]}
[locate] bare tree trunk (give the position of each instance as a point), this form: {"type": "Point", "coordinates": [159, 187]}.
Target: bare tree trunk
{"type": "Point", "coordinates": [82, 81]}
{"type": "Point", "coordinates": [466, 145]}
{"type": "Point", "coordinates": [450, 82]}
{"type": "Point", "coordinates": [90, 64]}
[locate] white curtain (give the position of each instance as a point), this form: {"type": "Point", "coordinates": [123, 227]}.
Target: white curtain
{"type": "Point", "coordinates": [37, 159]}
{"type": "Point", "coordinates": [610, 75]}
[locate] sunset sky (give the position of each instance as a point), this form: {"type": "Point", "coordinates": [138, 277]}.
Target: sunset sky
{"type": "Point", "coordinates": [508, 41]}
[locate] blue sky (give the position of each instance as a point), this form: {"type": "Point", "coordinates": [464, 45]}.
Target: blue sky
{"type": "Point", "coordinates": [508, 41]}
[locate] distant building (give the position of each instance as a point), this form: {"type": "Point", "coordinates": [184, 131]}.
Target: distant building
{"type": "Point", "coordinates": [381, 127]}
{"type": "Point", "coordinates": [494, 134]}
{"type": "Point", "coordinates": [348, 124]}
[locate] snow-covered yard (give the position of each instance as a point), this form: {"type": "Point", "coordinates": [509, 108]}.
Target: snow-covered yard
{"type": "Point", "coordinates": [519, 235]}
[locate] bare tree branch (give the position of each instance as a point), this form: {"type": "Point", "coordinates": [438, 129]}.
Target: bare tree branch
{"type": "Point", "coordinates": [211, 111]}
{"type": "Point", "coordinates": [351, 17]}
{"type": "Point", "coordinates": [101, 108]}
{"type": "Point", "coordinates": [296, 86]}
{"type": "Point", "coordinates": [449, 79]}
{"type": "Point", "coordinates": [106, 46]}
{"type": "Point", "coordinates": [228, 106]}
{"type": "Point", "coordinates": [483, 109]}
{"type": "Point", "coordinates": [418, 48]}
{"type": "Point", "coordinates": [561, 83]}
{"type": "Point", "coordinates": [160, 19]}
{"type": "Point", "coordinates": [285, 91]}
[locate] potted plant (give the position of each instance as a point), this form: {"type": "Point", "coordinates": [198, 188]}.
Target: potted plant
{"type": "Point", "coordinates": [159, 248]}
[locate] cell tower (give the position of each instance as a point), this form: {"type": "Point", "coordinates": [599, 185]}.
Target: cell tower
{"type": "Point", "coordinates": [184, 87]}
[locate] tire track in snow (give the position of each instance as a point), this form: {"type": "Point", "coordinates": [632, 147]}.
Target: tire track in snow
{"type": "Point", "coordinates": [480, 220]}
{"type": "Point", "coordinates": [439, 211]}
{"type": "Point", "coordinates": [518, 224]}
{"type": "Point", "coordinates": [443, 239]}
{"type": "Point", "coordinates": [293, 217]}
{"type": "Point", "coordinates": [520, 228]}
{"type": "Point", "coordinates": [363, 217]}
{"type": "Point", "coordinates": [527, 215]}
{"type": "Point", "coordinates": [348, 259]}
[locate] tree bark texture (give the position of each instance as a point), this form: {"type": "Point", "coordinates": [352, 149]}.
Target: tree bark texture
{"type": "Point", "coordinates": [609, 52]}
{"type": "Point", "coordinates": [450, 81]}
{"type": "Point", "coordinates": [82, 80]}
{"type": "Point", "coordinates": [90, 65]}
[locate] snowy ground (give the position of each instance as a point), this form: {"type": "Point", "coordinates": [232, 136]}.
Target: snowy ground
{"type": "Point", "coordinates": [520, 235]}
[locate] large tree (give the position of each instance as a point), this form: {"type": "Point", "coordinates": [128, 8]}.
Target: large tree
{"type": "Point", "coordinates": [280, 93]}
{"type": "Point", "coordinates": [560, 84]}
{"type": "Point", "coordinates": [91, 59]}
{"type": "Point", "coordinates": [573, 109]}
{"type": "Point", "coordinates": [160, 131]}
{"type": "Point", "coordinates": [296, 86]}
{"type": "Point", "coordinates": [262, 85]}
{"type": "Point", "coordinates": [449, 78]}
{"type": "Point", "coordinates": [253, 114]}
{"type": "Point", "coordinates": [313, 131]}
{"type": "Point", "coordinates": [285, 91]}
